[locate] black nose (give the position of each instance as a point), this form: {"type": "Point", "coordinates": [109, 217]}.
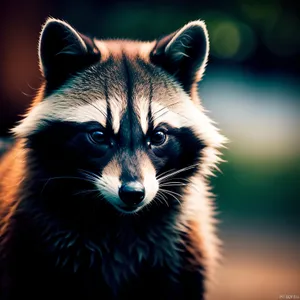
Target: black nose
{"type": "Point", "coordinates": [132, 193]}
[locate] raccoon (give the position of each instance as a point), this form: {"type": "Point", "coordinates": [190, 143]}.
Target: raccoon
{"type": "Point", "coordinates": [105, 193]}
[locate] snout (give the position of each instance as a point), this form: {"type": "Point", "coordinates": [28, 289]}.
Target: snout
{"type": "Point", "coordinates": [128, 190]}
{"type": "Point", "coordinates": [132, 194]}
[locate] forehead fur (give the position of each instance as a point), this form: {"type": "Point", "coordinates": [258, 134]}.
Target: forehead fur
{"type": "Point", "coordinates": [118, 48]}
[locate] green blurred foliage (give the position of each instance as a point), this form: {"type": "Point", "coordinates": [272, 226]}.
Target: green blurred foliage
{"type": "Point", "coordinates": [241, 31]}
{"type": "Point", "coordinates": [263, 189]}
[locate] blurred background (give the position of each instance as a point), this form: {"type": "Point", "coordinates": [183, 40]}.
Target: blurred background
{"type": "Point", "coordinates": [251, 88]}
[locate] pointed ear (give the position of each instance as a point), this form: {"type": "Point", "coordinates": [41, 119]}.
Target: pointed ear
{"type": "Point", "coordinates": [63, 51]}
{"type": "Point", "coordinates": [183, 53]}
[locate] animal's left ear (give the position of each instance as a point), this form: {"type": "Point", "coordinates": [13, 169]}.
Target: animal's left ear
{"type": "Point", "coordinates": [183, 53]}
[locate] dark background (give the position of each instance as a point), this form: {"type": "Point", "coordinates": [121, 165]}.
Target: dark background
{"type": "Point", "coordinates": [251, 89]}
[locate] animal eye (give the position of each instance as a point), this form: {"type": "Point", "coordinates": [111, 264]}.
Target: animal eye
{"type": "Point", "coordinates": [97, 136]}
{"type": "Point", "coordinates": [158, 138]}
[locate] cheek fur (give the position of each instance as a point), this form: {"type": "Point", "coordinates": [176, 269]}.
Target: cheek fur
{"type": "Point", "coordinates": [169, 152]}
{"type": "Point", "coordinates": [182, 149]}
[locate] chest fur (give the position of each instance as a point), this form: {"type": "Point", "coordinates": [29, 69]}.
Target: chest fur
{"type": "Point", "coordinates": [119, 256]}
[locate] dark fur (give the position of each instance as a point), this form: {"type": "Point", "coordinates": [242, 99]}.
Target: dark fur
{"type": "Point", "coordinates": [58, 239]}
{"type": "Point", "coordinates": [58, 242]}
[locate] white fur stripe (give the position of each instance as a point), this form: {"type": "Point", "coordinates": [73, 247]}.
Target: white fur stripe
{"type": "Point", "coordinates": [162, 114]}
{"type": "Point", "coordinates": [143, 109]}
{"type": "Point", "coordinates": [150, 181]}
{"type": "Point", "coordinates": [54, 109]}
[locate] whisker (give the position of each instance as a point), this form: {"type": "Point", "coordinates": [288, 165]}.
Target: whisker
{"type": "Point", "coordinates": [170, 194]}
{"type": "Point", "coordinates": [85, 192]}
{"type": "Point", "coordinates": [161, 197]}
{"type": "Point", "coordinates": [177, 172]}
{"type": "Point", "coordinates": [172, 185]}
{"type": "Point", "coordinates": [94, 178]}
{"type": "Point", "coordinates": [164, 173]}
{"type": "Point", "coordinates": [154, 117]}
{"type": "Point", "coordinates": [89, 174]}
{"type": "Point", "coordinates": [62, 177]}
{"type": "Point", "coordinates": [177, 113]}
{"type": "Point", "coordinates": [174, 182]}
{"type": "Point", "coordinates": [162, 114]}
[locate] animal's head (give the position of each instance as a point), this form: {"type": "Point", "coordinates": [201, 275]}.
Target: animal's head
{"type": "Point", "coordinates": [124, 115]}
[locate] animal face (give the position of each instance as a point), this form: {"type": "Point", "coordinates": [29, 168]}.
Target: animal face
{"type": "Point", "coordinates": [121, 114]}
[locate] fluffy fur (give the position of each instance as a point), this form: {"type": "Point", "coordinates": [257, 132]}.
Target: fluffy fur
{"type": "Point", "coordinates": [63, 231]}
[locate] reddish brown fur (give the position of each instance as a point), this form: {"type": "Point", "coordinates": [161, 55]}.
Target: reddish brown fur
{"type": "Point", "coordinates": [194, 245]}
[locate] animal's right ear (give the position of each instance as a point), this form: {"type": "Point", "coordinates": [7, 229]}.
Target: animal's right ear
{"type": "Point", "coordinates": [63, 51]}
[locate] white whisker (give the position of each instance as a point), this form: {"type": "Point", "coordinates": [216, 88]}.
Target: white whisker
{"type": "Point", "coordinates": [171, 194]}
{"type": "Point", "coordinates": [161, 196]}
{"type": "Point", "coordinates": [177, 172]}
{"type": "Point", "coordinates": [172, 184]}
{"type": "Point", "coordinates": [164, 173]}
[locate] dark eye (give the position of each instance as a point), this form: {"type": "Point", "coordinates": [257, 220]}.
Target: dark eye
{"type": "Point", "coordinates": [97, 136]}
{"type": "Point", "coordinates": [158, 138]}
